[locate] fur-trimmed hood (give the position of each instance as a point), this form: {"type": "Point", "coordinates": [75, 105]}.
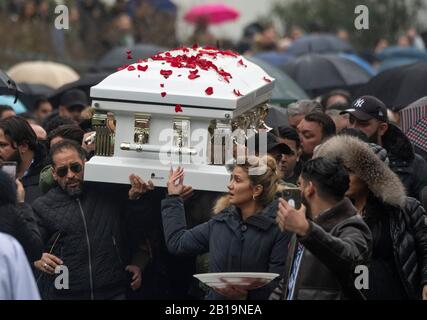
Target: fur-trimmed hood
{"type": "Point", "coordinates": [357, 156]}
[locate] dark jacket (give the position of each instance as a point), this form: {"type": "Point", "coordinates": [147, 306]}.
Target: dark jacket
{"type": "Point", "coordinates": [18, 220]}
{"type": "Point", "coordinates": [407, 220]}
{"type": "Point", "coordinates": [338, 240]}
{"type": "Point", "coordinates": [86, 233]}
{"type": "Point", "coordinates": [408, 230]}
{"type": "Point", "coordinates": [409, 166]}
{"type": "Point", "coordinates": [31, 180]}
{"type": "Point", "coordinates": [234, 245]}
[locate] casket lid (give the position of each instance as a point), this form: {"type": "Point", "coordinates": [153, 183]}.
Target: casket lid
{"type": "Point", "coordinates": [205, 77]}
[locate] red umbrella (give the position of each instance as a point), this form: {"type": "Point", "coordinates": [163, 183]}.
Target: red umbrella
{"type": "Point", "coordinates": [211, 13]}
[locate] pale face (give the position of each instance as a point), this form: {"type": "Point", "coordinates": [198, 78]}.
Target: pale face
{"type": "Point", "coordinates": [310, 134]}
{"type": "Point", "coordinates": [239, 189]}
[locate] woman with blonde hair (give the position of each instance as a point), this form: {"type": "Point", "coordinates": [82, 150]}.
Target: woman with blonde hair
{"type": "Point", "coordinates": [242, 237]}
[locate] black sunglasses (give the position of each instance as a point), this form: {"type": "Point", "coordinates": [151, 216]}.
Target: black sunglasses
{"type": "Point", "coordinates": [74, 167]}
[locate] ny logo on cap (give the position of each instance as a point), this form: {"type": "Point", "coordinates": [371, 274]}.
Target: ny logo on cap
{"type": "Point", "coordinates": [359, 103]}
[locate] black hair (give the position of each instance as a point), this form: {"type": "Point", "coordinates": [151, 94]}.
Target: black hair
{"type": "Point", "coordinates": [39, 100]}
{"type": "Point", "coordinates": [67, 131]}
{"type": "Point", "coordinates": [67, 145]}
{"type": "Point", "coordinates": [354, 132]}
{"type": "Point", "coordinates": [54, 120]}
{"type": "Point", "coordinates": [290, 134]}
{"type": "Point", "coordinates": [337, 92]}
{"type": "Point", "coordinates": [329, 176]}
{"type": "Point", "coordinates": [326, 123]}
{"type": "Point", "coordinates": [19, 131]}
{"type": "Point", "coordinates": [4, 108]}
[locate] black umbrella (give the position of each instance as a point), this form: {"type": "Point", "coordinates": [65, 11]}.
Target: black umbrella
{"type": "Point", "coordinates": [33, 92]}
{"type": "Point", "coordinates": [398, 87]}
{"type": "Point", "coordinates": [319, 43]}
{"type": "Point", "coordinates": [7, 85]}
{"type": "Point", "coordinates": [320, 73]}
{"type": "Point", "coordinates": [84, 83]}
{"type": "Point", "coordinates": [118, 56]}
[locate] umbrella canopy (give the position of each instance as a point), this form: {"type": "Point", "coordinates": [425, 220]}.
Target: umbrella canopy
{"type": "Point", "coordinates": [410, 115]}
{"type": "Point", "coordinates": [396, 56]}
{"type": "Point", "coordinates": [275, 58]}
{"type": "Point", "coordinates": [47, 73]}
{"type": "Point", "coordinates": [319, 43]}
{"type": "Point", "coordinates": [16, 104]}
{"type": "Point", "coordinates": [7, 85]}
{"type": "Point", "coordinates": [118, 56]}
{"type": "Point", "coordinates": [418, 134]}
{"type": "Point", "coordinates": [84, 83]}
{"type": "Point", "coordinates": [211, 13]}
{"type": "Point", "coordinates": [360, 61]}
{"type": "Point", "coordinates": [318, 74]}
{"type": "Point", "coordinates": [398, 87]}
{"type": "Point", "coordinates": [33, 92]}
{"type": "Point", "coordinates": [35, 89]}
{"type": "Point", "coordinates": [285, 89]}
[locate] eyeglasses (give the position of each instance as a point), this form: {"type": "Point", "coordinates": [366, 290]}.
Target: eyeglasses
{"type": "Point", "coordinates": [74, 167]}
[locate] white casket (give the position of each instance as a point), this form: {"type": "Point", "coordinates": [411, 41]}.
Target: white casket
{"type": "Point", "coordinates": [167, 110]}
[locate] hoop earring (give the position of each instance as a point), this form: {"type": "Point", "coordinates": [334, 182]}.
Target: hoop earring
{"type": "Point", "coordinates": [253, 197]}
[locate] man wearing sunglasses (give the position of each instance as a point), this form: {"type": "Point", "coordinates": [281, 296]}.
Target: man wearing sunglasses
{"type": "Point", "coordinates": [84, 226]}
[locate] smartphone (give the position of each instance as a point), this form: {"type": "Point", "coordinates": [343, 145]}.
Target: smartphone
{"type": "Point", "coordinates": [9, 167]}
{"type": "Point", "coordinates": [292, 196]}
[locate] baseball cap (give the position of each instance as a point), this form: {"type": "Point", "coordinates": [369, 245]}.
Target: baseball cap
{"type": "Point", "coordinates": [272, 144]}
{"type": "Point", "coordinates": [368, 107]}
{"type": "Point", "coordinates": [74, 98]}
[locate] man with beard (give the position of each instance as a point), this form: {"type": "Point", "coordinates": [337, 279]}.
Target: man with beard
{"type": "Point", "coordinates": [18, 142]}
{"type": "Point", "coordinates": [369, 114]}
{"type": "Point", "coordinates": [83, 227]}
{"type": "Point", "coordinates": [330, 239]}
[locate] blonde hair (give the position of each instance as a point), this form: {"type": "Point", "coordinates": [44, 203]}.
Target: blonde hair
{"type": "Point", "coordinates": [268, 179]}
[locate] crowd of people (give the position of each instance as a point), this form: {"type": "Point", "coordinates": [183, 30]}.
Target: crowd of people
{"type": "Point", "coordinates": [358, 191]}
{"type": "Point", "coordinates": [344, 188]}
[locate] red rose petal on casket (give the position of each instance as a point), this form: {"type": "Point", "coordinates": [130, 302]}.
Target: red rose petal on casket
{"type": "Point", "coordinates": [162, 85]}
{"type": "Point", "coordinates": [130, 57]}
{"type": "Point", "coordinates": [241, 62]}
{"type": "Point", "coordinates": [163, 94]}
{"type": "Point", "coordinates": [266, 79]}
{"type": "Point", "coordinates": [194, 71]}
{"type": "Point", "coordinates": [122, 67]}
{"type": "Point", "coordinates": [142, 68]}
{"type": "Point", "coordinates": [237, 93]}
{"type": "Point", "coordinates": [131, 68]}
{"type": "Point", "coordinates": [166, 73]}
{"type": "Point", "coordinates": [193, 76]}
{"type": "Point", "coordinates": [178, 108]}
{"type": "Point", "coordinates": [195, 46]}
{"type": "Point", "coordinates": [209, 91]}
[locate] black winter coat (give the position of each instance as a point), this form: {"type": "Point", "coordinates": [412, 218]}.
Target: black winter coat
{"type": "Point", "coordinates": [338, 241]}
{"type": "Point", "coordinates": [408, 228]}
{"type": "Point", "coordinates": [87, 234]}
{"type": "Point", "coordinates": [234, 245]}
{"type": "Point", "coordinates": [409, 166]}
{"type": "Point", "coordinates": [31, 180]}
{"type": "Point", "coordinates": [18, 220]}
